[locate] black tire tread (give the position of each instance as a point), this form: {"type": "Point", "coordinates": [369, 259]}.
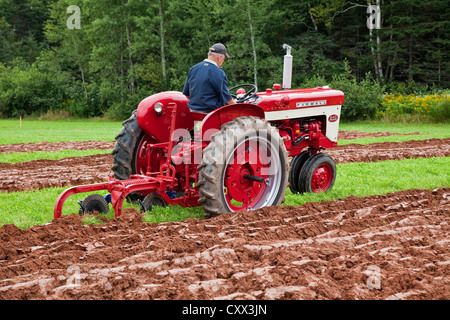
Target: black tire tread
{"type": "Point", "coordinates": [92, 203]}
{"type": "Point", "coordinates": [153, 199]}
{"type": "Point", "coordinates": [124, 152]}
{"type": "Point", "coordinates": [212, 166]}
{"type": "Point", "coordinates": [304, 181]}
{"type": "Point", "coordinates": [295, 167]}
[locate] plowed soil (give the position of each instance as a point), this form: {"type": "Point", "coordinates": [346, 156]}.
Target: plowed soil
{"type": "Point", "coordinates": [39, 174]}
{"type": "Point", "coordinates": [54, 146]}
{"type": "Point", "coordinates": [343, 134]}
{"type": "Point", "coordinates": [394, 246]}
{"type": "Point", "coordinates": [391, 151]}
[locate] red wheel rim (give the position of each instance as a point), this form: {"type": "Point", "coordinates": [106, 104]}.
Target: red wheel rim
{"type": "Point", "coordinates": [141, 161]}
{"type": "Point", "coordinates": [321, 178]}
{"type": "Point", "coordinates": [249, 158]}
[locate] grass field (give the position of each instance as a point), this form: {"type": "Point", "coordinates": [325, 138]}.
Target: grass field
{"type": "Point", "coordinates": [57, 131]}
{"type": "Point", "coordinates": [78, 130]}
{"type": "Point", "coordinates": [25, 209]}
{"type": "Point", "coordinates": [17, 157]}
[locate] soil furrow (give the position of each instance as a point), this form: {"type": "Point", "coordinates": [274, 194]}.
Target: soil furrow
{"type": "Point", "coordinates": [56, 146]}
{"type": "Point", "coordinates": [392, 246]}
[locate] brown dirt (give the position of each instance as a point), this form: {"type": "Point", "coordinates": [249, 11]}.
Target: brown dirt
{"type": "Point", "coordinates": [391, 151]}
{"type": "Point", "coordinates": [55, 146]}
{"type": "Point", "coordinates": [40, 174]}
{"type": "Point", "coordinates": [343, 134]}
{"type": "Point", "coordinates": [393, 246]}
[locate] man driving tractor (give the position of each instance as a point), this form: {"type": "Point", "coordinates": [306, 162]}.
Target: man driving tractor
{"type": "Point", "coordinates": [206, 85]}
{"type": "Point", "coordinates": [242, 160]}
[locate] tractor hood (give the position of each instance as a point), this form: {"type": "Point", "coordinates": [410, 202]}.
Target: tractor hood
{"type": "Point", "coordinates": [276, 100]}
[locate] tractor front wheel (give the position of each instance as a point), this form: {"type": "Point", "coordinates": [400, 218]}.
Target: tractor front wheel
{"type": "Point", "coordinates": [245, 167]}
{"type": "Point", "coordinates": [130, 153]}
{"type": "Point", "coordinates": [296, 166]}
{"type": "Point", "coordinates": [318, 174]}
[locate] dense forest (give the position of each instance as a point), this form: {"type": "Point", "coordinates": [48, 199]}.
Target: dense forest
{"type": "Point", "coordinates": [102, 57]}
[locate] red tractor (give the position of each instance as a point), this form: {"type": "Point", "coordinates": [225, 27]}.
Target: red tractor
{"type": "Point", "coordinates": [234, 158]}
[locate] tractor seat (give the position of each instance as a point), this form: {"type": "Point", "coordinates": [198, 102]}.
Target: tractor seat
{"type": "Point", "coordinates": [197, 116]}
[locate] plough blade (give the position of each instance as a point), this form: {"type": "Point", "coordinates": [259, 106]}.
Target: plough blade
{"type": "Point", "coordinates": [119, 190]}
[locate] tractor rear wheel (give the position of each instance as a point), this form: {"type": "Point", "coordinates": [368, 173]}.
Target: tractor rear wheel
{"type": "Point", "coordinates": [130, 154]}
{"type": "Point", "coordinates": [318, 174]}
{"type": "Point", "coordinates": [245, 167]}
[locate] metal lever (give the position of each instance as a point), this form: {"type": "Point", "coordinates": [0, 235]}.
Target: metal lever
{"type": "Point", "coordinates": [253, 178]}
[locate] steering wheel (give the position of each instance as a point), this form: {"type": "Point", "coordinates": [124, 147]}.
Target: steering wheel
{"type": "Point", "coordinates": [246, 96]}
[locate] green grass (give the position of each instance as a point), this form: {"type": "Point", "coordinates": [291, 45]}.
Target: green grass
{"type": "Point", "coordinates": [57, 131]}
{"type": "Point", "coordinates": [82, 130]}
{"type": "Point", "coordinates": [54, 155]}
{"type": "Point", "coordinates": [365, 179]}
{"type": "Point", "coordinates": [25, 209]}
{"type": "Point", "coordinates": [173, 213]}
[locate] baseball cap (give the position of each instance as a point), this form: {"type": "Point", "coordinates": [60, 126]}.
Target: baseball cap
{"type": "Point", "coordinates": [219, 48]}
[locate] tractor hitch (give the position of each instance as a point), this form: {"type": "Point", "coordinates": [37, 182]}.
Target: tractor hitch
{"type": "Point", "coordinates": [161, 184]}
{"type": "Point", "coordinates": [119, 190]}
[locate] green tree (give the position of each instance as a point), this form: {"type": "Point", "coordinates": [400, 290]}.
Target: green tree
{"type": "Point", "coordinates": [21, 29]}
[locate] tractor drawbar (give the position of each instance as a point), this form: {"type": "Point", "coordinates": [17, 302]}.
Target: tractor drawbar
{"type": "Point", "coordinates": [119, 190]}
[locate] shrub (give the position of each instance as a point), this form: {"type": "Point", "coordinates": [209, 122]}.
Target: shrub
{"type": "Point", "coordinates": [361, 98]}
{"type": "Point", "coordinates": [35, 90]}
{"type": "Point", "coordinates": [441, 112]}
{"type": "Point", "coordinates": [26, 90]}
{"type": "Point", "coordinates": [414, 108]}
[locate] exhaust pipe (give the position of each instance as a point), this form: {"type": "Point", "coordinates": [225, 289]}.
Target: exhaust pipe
{"type": "Point", "coordinates": [287, 68]}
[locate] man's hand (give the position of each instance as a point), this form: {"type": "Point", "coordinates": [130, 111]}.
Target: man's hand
{"type": "Point", "coordinates": [232, 101]}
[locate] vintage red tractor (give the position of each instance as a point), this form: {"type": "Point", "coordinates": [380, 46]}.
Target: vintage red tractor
{"type": "Point", "coordinates": [234, 158]}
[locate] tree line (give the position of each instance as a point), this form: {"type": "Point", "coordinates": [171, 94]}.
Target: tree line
{"type": "Point", "coordinates": [102, 57]}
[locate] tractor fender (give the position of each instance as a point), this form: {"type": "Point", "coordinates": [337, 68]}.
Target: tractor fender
{"type": "Point", "coordinates": [157, 125]}
{"type": "Point", "coordinates": [215, 119]}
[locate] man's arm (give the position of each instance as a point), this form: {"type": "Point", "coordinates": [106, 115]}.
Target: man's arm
{"type": "Point", "coordinates": [225, 93]}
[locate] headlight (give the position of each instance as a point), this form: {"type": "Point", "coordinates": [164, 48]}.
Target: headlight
{"type": "Point", "coordinates": [158, 108]}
